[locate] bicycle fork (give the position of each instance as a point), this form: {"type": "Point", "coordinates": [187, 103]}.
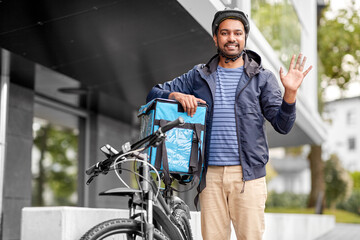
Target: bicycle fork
{"type": "Point", "coordinates": [148, 197]}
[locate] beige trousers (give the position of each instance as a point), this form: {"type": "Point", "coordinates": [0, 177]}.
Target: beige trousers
{"type": "Point", "coordinates": [223, 202]}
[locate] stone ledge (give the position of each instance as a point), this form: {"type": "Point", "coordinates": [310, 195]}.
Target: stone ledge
{"type": "Point", "coordinates": [64, 223]}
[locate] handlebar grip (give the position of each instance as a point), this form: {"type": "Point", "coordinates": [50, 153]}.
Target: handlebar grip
{"type": "Point", "coordinates": [178, 122]}
{"type": "Point", "coordinates": [91, 169]}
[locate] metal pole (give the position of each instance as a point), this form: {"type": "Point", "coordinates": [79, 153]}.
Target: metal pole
{"type": "Point", "coordinates": [4, 103]}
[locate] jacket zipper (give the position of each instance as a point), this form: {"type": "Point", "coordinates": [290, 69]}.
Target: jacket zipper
{"type": "Point", "coordinates": [243, 187]}
{"type": "Point", "coordinates": [238, 133]}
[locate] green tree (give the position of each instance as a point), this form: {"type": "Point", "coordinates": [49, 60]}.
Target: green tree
{"type": "Point", "coordinates": [339, 57]}
{"type": "Point", "coordinates": [339, 46]}
{"type": "Point", "coordinates": [57, 165]}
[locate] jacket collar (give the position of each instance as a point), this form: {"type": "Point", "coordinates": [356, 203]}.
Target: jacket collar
{"type": "Point", "coordinates": [252, 63]}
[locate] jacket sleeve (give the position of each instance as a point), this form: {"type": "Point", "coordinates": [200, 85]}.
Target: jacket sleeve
{"type": "Point", "coordinates": [279, 113]}
{"type": "Point", "coordinates": [181, 84]}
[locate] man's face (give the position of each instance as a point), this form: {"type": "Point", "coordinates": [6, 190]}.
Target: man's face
{"type": "Point", "coordinates": [230, 38]}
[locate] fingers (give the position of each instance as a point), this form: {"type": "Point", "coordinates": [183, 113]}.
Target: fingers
{"type": "Point", "coordinates": [281, 73]}
{"type": "Point", "coordinates": [188, 102]}
{"type": "Point", "coordinates": [292, 62]}
{"type": "Point", "coordinates": [200, 100]}
{"type": "Point", "coordinates": [297, 66]}
{"type": "Point", "coordinates": [301, 68]}
{"type": "Point", "coordinates": [307, 70]}
{"type": "Point", "coordinates": [300, 64]}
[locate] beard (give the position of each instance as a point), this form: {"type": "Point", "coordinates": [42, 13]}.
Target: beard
{"type": "Point", "coordinates": [230, 55]}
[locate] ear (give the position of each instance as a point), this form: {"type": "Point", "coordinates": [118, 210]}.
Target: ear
{"type": "Point", "coordinates": [215, 40]}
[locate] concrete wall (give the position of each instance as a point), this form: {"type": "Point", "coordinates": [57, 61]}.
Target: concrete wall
{"type": "Point", "coordinates": [64, 223]}
{"type": "Point", "coordinates": [17, 177]}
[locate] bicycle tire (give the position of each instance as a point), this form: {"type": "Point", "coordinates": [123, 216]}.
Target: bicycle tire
{"type": "Point", "coordinates": [184, 223]}
{"type": "Point", "coordinates": [125, 227]}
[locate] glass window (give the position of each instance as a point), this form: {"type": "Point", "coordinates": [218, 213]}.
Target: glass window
{"type": "Point", "coordinates": [351, 117]}
{"type": "Point", "coordinates": [279, 24]}
{"type": "Point", "coordinates": [352, 143]}
{"type": "Point", "coordinates": [54, 164]}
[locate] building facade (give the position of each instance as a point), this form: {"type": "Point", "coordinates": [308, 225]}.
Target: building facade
{"type": "Point", "coordinates": [343, 120]}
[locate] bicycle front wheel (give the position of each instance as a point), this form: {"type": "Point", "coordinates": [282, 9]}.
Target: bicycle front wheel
{"type": "Point", "coordinates": [120, 229]}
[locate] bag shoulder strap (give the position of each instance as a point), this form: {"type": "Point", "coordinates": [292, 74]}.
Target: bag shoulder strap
{"type": "Point", "coordinates": [161, 157]}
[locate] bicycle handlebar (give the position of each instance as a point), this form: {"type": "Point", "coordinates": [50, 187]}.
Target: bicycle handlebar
{"type": "Point", "coordinates": [153, 139]}
{"type": "Point", "coordinates": [177, 122]}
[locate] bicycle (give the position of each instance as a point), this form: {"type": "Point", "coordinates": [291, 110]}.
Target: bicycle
{"type": "Point", "coordinates": [161, 215]}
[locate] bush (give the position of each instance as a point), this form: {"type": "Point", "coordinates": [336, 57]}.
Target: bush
{"type": "Point", "coordinates": [352, 204]}
{"type": "Point", "coordinates": [286, 200]}
{"type": "Point", "coordinates": [338, 182]}
{"type": "Point", "coordinates": [356, 179]}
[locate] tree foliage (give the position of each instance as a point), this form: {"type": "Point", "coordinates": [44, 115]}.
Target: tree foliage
{"type": "Point", "coordinates": [339, 46]}
{"type": "Point", "coordinates": [339, 64]}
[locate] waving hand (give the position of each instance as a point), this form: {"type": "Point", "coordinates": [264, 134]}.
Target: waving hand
{"type": "Point", "coordinates": [294, 77]}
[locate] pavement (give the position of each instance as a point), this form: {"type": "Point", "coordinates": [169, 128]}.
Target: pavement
{"type": "Point", "coordinates": [342, 231]}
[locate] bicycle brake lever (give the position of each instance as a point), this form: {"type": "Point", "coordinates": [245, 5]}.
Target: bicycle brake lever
{"type": "Point", "coordinates": [90, 179]}
{"type": "Point", "coordinates": [93, 176]}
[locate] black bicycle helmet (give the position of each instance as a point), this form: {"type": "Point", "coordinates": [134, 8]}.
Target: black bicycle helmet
{"type": "Point", "coordinates": [228, 13]}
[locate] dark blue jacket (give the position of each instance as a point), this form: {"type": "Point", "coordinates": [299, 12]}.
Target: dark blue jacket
{"type": "Point", "coordinates": [258, 97]}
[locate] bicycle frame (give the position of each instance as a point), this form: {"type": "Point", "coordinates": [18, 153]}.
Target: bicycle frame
{"type": "Point", "coordinates": [158, 209]}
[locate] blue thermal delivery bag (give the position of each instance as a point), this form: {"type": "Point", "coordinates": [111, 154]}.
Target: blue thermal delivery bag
{"type": "Point", "coordinates": [182, 151]}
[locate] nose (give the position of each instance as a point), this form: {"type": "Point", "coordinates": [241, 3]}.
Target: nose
{"type": "Point", "coordinates": [231, 37]}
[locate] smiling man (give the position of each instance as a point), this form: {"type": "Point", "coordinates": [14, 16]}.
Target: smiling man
{"type": "Point", "coordinates": [240, 95]}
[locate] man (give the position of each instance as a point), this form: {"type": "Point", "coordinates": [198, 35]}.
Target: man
{"type": "Point", "coordinates": [240, 94]}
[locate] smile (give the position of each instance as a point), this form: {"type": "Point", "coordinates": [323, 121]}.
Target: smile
{"type": "Point", "coordinates": [231, 46]}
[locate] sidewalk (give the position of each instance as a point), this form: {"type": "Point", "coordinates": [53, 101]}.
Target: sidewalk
{"type": "Point", "coordinates": [342, 231]}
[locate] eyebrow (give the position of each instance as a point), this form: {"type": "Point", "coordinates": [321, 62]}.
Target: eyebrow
{"type": "Point", "coordinates": [236, 30]}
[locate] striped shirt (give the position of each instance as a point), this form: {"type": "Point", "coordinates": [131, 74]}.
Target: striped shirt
{"type": "Point", "coordinates": [224, 149]}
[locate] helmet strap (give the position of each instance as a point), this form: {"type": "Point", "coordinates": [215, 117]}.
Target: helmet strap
{"type": "Point", "coordinates": [228, 59]}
